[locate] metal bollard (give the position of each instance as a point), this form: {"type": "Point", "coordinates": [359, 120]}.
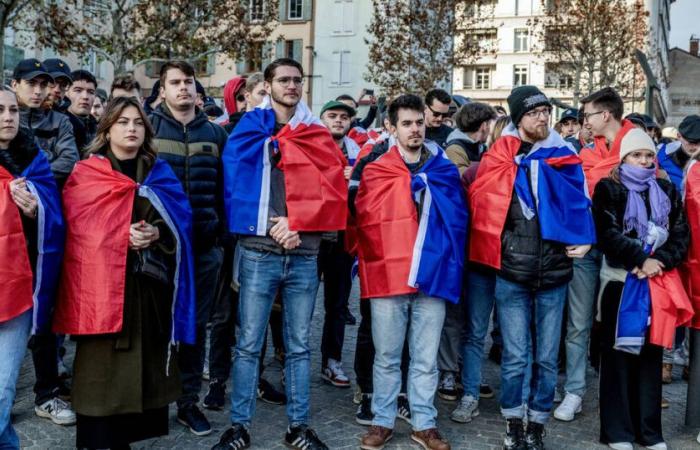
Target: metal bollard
{"type": "Point", "coordinates": [692, 410]}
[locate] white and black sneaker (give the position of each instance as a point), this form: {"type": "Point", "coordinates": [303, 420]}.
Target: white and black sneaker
{"type": "Point", "coordinates": [364, 415]}
{"type": "Point", "coordinates": [303, 438]}
{"type": "Point", "coordinates": [58, 411]}
{"type": "Point", "coordinates": [235, 438]}
{"type": "Point", "coordinates": [515, 435]}
{"type": "Point", "coordinates": [447, 388]}
{"type": "Point", "coordinates": [403, 408]}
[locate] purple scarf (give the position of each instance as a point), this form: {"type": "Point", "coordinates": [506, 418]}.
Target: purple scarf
{"type": "Point", "coordinates": [638, 180]}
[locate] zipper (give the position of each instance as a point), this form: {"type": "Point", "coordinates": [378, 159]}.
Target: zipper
{"type": "Point", "coordinates": [187, 162]}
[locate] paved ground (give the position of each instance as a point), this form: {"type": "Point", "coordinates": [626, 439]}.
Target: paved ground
{"type": "Point", "coordinates": [333, 415]}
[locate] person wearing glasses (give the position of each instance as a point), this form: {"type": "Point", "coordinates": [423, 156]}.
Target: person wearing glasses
{"type": "Point", "coordinates": [437, 109]}
{"type": "Point", "coordinates": [192, 145]}
{"type": "Point", "coordinates": [531, 218]}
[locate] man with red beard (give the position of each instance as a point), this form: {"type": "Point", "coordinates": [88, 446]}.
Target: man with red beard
{"type": "Point", "coordinates": [531, 216]}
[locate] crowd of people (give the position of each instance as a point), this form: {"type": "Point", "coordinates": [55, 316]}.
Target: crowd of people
{"type": "Point", "coordinates": [166, 236]}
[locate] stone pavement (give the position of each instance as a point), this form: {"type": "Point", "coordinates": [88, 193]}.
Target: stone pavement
{"type": "Point", "coordinates": [332, 413]}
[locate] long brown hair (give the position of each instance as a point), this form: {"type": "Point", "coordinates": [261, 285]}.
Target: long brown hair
{"type": "Point", "coordinates": [113, 111]}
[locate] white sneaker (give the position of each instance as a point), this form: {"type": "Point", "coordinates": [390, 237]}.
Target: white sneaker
{"type": "Point", "coordinates": [659, 446]}
{"type": "Point", "coordinates": [57, 410]}
{"type": "Point", "coordinates": [333, 373]}
{"type": "Point", "coordinates": [468, 409]}
{"type": "Point", "coordinates": [621, 446]}
{"type": "Point", "coordinates": [569, 408]}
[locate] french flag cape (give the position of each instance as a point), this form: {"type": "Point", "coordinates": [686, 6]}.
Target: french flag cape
{"type": "Point", "coordinates": [691, 269]}
{"type": "Point", "coordinates": [398, 252]}
{"type": "Point", "coordinates": [599, 160]}
{"type": "Point", "coordinates": [353, 150]}
{"type": "Point", "coordinates": [549, 183]}
{"type": "Point", "coordinates": [316, 190]}
{"type": "Point", "coordinates": [98, 203]}
{"type": "Point", "coordinates": [672, 169]}
{"type": "Point", "coordinates": [20, 290]}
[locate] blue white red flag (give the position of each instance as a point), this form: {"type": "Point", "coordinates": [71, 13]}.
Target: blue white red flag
{"type": "Point", "coordinates": [672, 169]}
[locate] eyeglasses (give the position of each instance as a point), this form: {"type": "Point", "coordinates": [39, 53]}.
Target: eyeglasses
{"type": "Point", "coordinates": [285, 81]}
{"type": "Point", "coordinates": [587, 116]}
{"type": "Point", "coordinates": [534, 114]}
{"type": "Point", "coordinates": [438, 114]}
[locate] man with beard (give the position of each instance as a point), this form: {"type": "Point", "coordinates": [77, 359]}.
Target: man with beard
{"type": "Point", "coordinates": [81, 94]}
{"type": "Point", "coordinates": [334, 262]}
{"type": "Point", "coordinates": [530, 217]}
{"type": "Point", "coordinates": [61, 74]}
{"type": "Point", "coordinates": [192, 145]}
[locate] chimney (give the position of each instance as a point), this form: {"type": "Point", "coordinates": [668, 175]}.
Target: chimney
{"type": "Point", "coordinates": [694, 43]}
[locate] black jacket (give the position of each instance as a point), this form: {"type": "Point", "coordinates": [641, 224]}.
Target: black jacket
{"type": "Point", "coordinates": [194, 153]}
{"type": "Point", "coordinates": [625, 250]}
{"type": "Point", "coordinates": [438, 134]}
{"type": "Point", "coordinates": [84, 130]}
{"type": "Point", "coordinates": [526, 258]}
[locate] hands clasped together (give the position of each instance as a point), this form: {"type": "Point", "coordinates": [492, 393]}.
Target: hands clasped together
{"type": "Point", "coordinates": [142, 235]}
{"type": "Point", "coordinates": [281, 233]}
{"type": "Point", "coordinates": [23, 198]}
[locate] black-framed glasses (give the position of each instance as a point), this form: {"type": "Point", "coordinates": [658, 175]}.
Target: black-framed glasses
{"type": "Point", "coordinates": [535, 113]}
{"type": "Point", "coordinates": [285, 81]}
{"type": "Point", "coordinates": [587, 116]}
{"type": "Point", "coordinates": [438, 114]}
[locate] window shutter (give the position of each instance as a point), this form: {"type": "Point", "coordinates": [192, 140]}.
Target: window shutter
{"type": "Point", "coordinates": [266, 54]}
{"type": "Point", "coordinates": [298, 50]}
{"type": "Point", "coordinates": [279, 49]}
{"type": "Point", "coordinates": [308, 12]}
{"type": "Point", "coordinates": [335, 77]}
{"type": "Point", "coordinates": [283, 10]}
{"type": "Point", "coordinates": [348, 25]}
{"type": "Point", "coordinates": [240, 67]}
{"type": "Point", "coordinates": [468, 78]}
{"type": "Point", "coordinates": [211, 63]}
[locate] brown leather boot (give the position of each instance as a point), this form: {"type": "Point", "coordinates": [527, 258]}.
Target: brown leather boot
{"type": "Point", "coordinates": [430, 439]}
{"type": "Point", "coordinates": [667, 374]}
{"type": "Point", "coordinates": [376, 437]}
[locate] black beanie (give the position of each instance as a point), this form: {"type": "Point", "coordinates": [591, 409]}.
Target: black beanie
{"type": "Point", "coordinates": [523, 99]}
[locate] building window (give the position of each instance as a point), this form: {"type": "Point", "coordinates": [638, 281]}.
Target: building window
{"type": "Point", "coordinates": [341, 74]}
{"type": "Point", "coordinates": [256, 8]}
{"type": "Point", "coordinates": [343, 17]}
{"type": "Point", "coordinates": [295, 10]}
{"type": "Point", "coordinates": [558, 77]}
{"type": "Point", "coordinates": [519, 75]}
{"type": "Point", "coordinates": [477, 77]}
{"type": "Point", "coordinates": [521, 40]}
{"type": "Point", "coordinates": [290, 49]}
{"type": "Point", "coordinates": [486, 39]}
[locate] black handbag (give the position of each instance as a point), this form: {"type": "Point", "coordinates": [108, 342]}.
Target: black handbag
{"type": "Point", "coordinates": [151, 264]}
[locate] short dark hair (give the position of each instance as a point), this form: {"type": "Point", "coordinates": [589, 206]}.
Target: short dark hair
{"type": "Point", "coordinates": [83, 75]}
{"type": "Point", "coordinates": [346, 97]}
{"type": "Point", "coordinates": [406, 101]}
{"type": "Point", "coordinates": [470, 116]}
{"type": "Point", "coordinates": [441, 95]}
{"type": "Point", "coordinates": [500, 109]}
{"type": "Point", "coordinates": [125, 82]}
{"type": "Point", "coordinates": [607, 99]}
{"type": "Point", "coordinates": [179, 64]}
{"type": "Point", "coordinates": [269, 73]}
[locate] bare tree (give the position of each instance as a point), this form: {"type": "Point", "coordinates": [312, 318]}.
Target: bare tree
{"type": "Point", "coordinates": [592, 43]}
{"type": "Point", "coordinates": [9, 11]}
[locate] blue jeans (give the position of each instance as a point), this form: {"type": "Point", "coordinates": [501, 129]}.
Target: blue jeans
{"type": "Point", "coordinates": [391, 317]}
{"type": "Point", "coordinates": [478, 305]}
{"type": "Point", "coordinates": [261, 275]}
{"type": "Point", "coordinates": [522, 313]}
{"type": "Point", "coordinates": [582, 294]}
{"type": "Point", "coordinates": [14, 334]}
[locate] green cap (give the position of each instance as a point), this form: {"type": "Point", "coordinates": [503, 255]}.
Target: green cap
{"type": "Point", "coordinates": [334, 104]}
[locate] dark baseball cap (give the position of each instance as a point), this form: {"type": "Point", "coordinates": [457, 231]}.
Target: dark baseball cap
{"type": "Point", "coordinates": [334, 104]}
{"type": "Point", "coordinates": [570, 113]}
{"type": "Point", "coordinates": [31, 68]}
{"type": "Point", "coordinates": [58, 68]}
{"type": "Point", "coordinates": [690, 128]}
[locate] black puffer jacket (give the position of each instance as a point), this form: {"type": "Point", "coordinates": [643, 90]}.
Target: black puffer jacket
{"type": "Point", "coordinates": [194, 153]}
{"type": "Point", "coordinates": [625, 250]}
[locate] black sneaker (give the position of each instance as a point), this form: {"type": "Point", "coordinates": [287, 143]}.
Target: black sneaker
{"type": "Point", "coordinates": [268, 393]}
{"type": "Point", "coordinates": [191, 417]}
{"type": "Point", "coordinates": [515, 439]}
{"type": "Point", "coordinates": [235, 438]}
{"type": "Point", "coordinates": [485, 391]}
{"type": "Point", "coordinates": [403, 409]}
{"type": "Point", "coordinates": [216, 396]}
{"type": "Point", "coordinates": [303, 438]}
{"type": "Point", "coordinates": [534, 435]}
{"type": "Point", "coordinates": [364, 415]}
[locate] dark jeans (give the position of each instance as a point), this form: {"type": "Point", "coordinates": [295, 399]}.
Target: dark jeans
{"type": "Point", "coordinates": [44, 349]}
{"type": "Point", "coordinates": [191, 357]}
{"type": "Point", "coordinates": [335, 265]}
{"type": "Point", "coordinates": [364, 353]}
{"type": "Point", "coordinates": [630, 385]}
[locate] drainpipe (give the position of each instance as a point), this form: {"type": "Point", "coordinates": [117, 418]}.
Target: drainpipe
{"type": "Point", "coordinates": [310, 47]}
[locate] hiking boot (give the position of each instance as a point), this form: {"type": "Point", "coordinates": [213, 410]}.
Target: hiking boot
{"type": "Point", "coordinates": [515, 436]}
{"type": "Point", "coordinates": [58, 411]}
{"type": "Point", "coordinates": [534, 435]}
{"type": "Point", "coordinates": [430, 439]}
{"type": "Point", "coordinates": [364, 414]}
{"type": "Point", "coordinates": [667, 374]}
{"type": "Point", "coordinates": [333, 373]}
{"type": "Point", "coordinates": [216, 395]}
{"type": "Point", "coordinates": [570, 406]}
{"type": "Point", "coordinates": [447, 389]}
{"type": "Point", "coordinates": [485, 391]}
{"type": "Point", "coordinates": [376, 437]}
{"type": "Point", "coordinates": [268, 393]}
{"type": "Point", "coordinates": [403, 408]}
{"type": "Point", "coordinates": [235, 438]}
{"type": "Point", "coordinates": [468, 409]}
{"type": "Point", "coordinates": [303, 438]}
{"type": "Point", "coordinates": [191, 417]}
